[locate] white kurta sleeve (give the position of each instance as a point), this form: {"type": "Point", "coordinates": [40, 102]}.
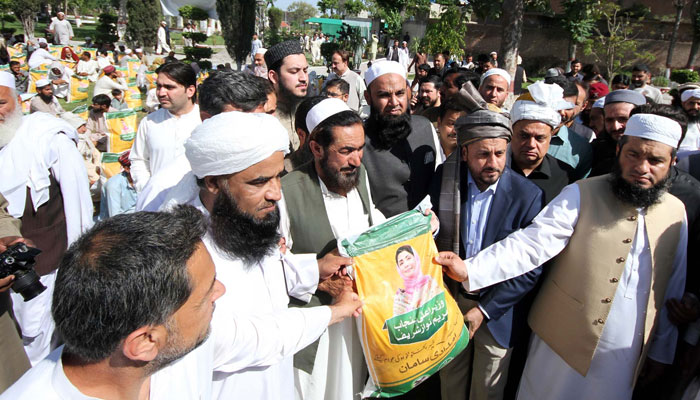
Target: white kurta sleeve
{"type": "Point", "coordinates": [255, 341]}
{"type": "Point", "coordinates": [284, 222]}
{"type": "Point", "coordinates": [71, 175]}
{"type": "Point", "coordinates": [301, 274]}
{"type": "Point", "coordinates": [528, 248]}
{"type": "Point", "coordinates": [140, 157]}
{"type": "Point", "coordinates": [663, 345]}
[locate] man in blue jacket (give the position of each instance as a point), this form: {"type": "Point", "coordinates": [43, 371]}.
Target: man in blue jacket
{"type": "Point", "coordinates": [480, 201]}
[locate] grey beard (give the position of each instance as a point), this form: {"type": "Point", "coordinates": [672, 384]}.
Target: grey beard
{"type": "Point", "coordinates": [10, 125]}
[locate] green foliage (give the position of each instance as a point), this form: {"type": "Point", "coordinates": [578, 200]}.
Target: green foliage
{"type": "Point", "coordinates": [193, 13]}
{"type": "Point", "coordinates": [328, 48]}
{"type": "Point", "coordinates": [197, 37]}
{"type": "Point", "coordinates": [660, 81]}
{"type": "Point", "coordinates": [447, 34]}
{"type": "Point", "coordinates": [237, 25]}
{"type": "Point", "coordinates": [615, 45]}
{"type": "Point", "coordinates": [276, 16]}
{"type": "Point", "coordinates": [349, 38]}
{"type": "Point", "coordinates": [299, 11]}
{"type": "Point", "coordinates": [144, 19]}
{"type": "Point", "coordinates": [106, 31]}
{"type": "Point", "coordinates": [353, 7]}
{"type": "Point", "coordinates": [198, 53]}
{"type": "Point", "coordinates": [682, 76]}
{"type": "Point", "coordinates": [327, 6]}
{"type": "Point", "coordinates": [26, 11]}
{"type": "Point", "coordinates": [578, 19]}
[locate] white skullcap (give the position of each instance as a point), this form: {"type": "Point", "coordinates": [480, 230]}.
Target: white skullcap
{"type": "Point", "coordinates": [138, 50]}
{"type": "Point", "coordinates": [690, 93]}
{"type": "Point", "coordinates": [233, 141]}
{"type": "Point", "coordinates": [654, 127]}
{"type": "Point", "coordinates": [41, 40]}
{"type": "Point", "coordinates": [600, 103]}
{"type": "Point", "coordinates": [261, 50]}
{"type": "Point", "coordinates": [547, 101]}
{"type": "Point", "coordinates": [384, 67]}
{"type": "Point", "coordinates": [324, 109]}
{"type": "Point", "coordinates": [495, 71]}
{"type": "Point", "coordinates": [492, 53]}
{"type": "Point", "coordinates": [7, 80]}
{"type": "Point", "coordinates": [42, 82]}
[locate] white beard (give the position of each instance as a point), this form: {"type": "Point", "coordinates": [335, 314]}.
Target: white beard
{"type": "Point", "coordinates": [9, 125]}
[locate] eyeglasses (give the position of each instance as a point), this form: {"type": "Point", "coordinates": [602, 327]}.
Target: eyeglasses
{"type": "Point", "coordinates": [335, 95]}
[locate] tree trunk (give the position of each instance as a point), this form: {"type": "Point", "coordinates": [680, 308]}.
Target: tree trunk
{"type": "Point", "coordinates": [695, 46]}
{"type": "Point", "coordinates": [674, 35]}
{"type": "Point", "coordinates": [572, 54]}
{"type": "Point", "coordinates": [512, 31]}
{"type": "Point", "coordinates": [28, 26]}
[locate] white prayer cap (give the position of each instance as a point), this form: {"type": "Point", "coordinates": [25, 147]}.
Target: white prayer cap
{"type": "Point", "coordinates": [495, 71]}
{"type": "Point", "coordinates": [384, 67]}
{"type": "Point", "coordinates": [600, 103]}
{"type": "Point", "coordinates": [690, 93]}
{"type": "Point", "coordinates": [654, 127]}
{"type": "Point", "coordinates": [42, 82]}
{"type": "Point", "coordinates": [128, 51]}
{"type": "Point", "coordinates": [492, 53]}
{"type": "Point", "coordinates": [261, 50]}
{"type": "Point", "coordinates": [233, 141]}
{"type": "Point", "coordinates": [542, 103]}
{"type": "Point", "coordinates": [324, 109]}
{"type": "Point", "coordinates": [138, 50]}
{"type": "Point", "coordinates": [41, 40]}
{"type": "Point", "coordinates": [7, 80]}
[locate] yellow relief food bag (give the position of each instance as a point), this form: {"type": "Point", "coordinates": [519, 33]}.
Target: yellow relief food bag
{"type": "Point", "coordinates": [55, 50]}
{"type": "Point", "coordinates": [82, 111]}
{"type": "Point", "coordinates": [151, 77]}
{"type": "Point", "coordinates": [122, 130]}
{"type": "Point", "coordinates": [133, 65]}
{"type": "Point", "coordinates": [132, 97]}
{"type": "Point", "coordinates": [79, 87]}
{"type": "Point", "coordinates": [34, 76]}
{"type": "Point", "coordinates": [410, 326]}
{"type": "Point", "coordinates": [110, 164]}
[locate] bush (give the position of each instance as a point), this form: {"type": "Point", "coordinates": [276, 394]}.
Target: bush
{"type": "Point", "coordinates": [327, 50]}
{"type": "Point", "coordinates": [660, 81]}
{"type": "Point", "coordinates": [197, 53]}
{"type": "Point", "coordinates": [203, 64]}
{"type": "Point", "coordinates": [193, 13]}
{"type": "Point", "coordinates": [197, 37]}
{"type": "Point", "coordinates": [106, 30]}
{"type": "Point", "coordinates": [684, 75]}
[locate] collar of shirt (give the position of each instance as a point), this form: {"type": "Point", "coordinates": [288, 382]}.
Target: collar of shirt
{"type": "Point", "coordinates": [561, 137]}
{"type": "Point", "coordinates": [474, 190]}
{"type": "Point", "coordinates": [61, 384]}
{"type": "Point", "coordinates": [545, 168]}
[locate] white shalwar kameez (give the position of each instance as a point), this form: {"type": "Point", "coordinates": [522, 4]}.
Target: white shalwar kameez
{"type": "Point", "coordinates": [611, 373]}
{"type": "Point", "coordinates": [44, 145]}
{"type": "Point", "coordinates": [340, 370]}
{"type": "Point", "coordinates": [63, 30]}
{"type": "Point", "coordinates": [160, 139]}
{"type": "Point", "coordinates": [235, 343]}
{"type": "Point", "coordinates": [156, 190]}
{"type": "Point", "coordinates": [254, 290]}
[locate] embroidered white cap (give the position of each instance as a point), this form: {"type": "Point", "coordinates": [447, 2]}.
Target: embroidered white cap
{"type": "Point", "coordinates": [7, 80]}
{"type": "Point", "coordinates": [324, 109]}
{"type": "Point", "coordinates": [384, 67]}
{"type": "Point", "coordinates": [496, 71]}
{"type": "Point", "coordinates": [654, 127]}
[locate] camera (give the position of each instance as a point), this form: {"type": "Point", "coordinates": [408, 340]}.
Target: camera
{"type": "Point", "coordinates": [18, 260]}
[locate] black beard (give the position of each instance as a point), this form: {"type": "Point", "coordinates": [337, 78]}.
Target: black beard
{"type": "Point", "coordinates": [336, 181]}
{"type": "Point", "coordinates": [692, 118]}
{"type": "Point", "coordinates": [240, 235]}
{"type": "Point", "coordinates": [386, 131]}
{"type": "Point", "coordinates": [632, 194]}
{"type": "Point", "coordinates": [289, 98]}
{"type": "Point", "coordinates": [47, 99]}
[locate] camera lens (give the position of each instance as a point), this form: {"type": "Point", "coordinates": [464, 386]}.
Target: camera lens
{"type": "Point", "coordinates": [27, 284]}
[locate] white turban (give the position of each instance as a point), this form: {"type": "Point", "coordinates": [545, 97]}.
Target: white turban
{"type": "Point", "coordinates": [384, 67]}
{"type": "Point", "coordinates": [600, 103]}
{"type": "Point", "coordinates": [495, 71]}
{"type": "Point", "coordinates": [42, 82]}
{"type": "Point", "coordinates": [654, 127]}
{"type": "Point", "coordinates": [7, 80]}
{"type": "Point", "coordinates": [324, 109]}
{"type": "Point", "coordinates": [233, 141]}
{"type": "Point", "coordinates": [686, 95]}
{"type": "Point", "coordinates": [261, 50]}
{"type": "Point", "coordinates": [547, 101]}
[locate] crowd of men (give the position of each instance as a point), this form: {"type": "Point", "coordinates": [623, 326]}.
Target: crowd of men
{"type": "Point", "coordinates": [566, 232]}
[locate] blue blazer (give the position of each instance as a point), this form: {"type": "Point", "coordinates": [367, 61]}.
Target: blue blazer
{"type": "Point", "coordinates": [516, 202]}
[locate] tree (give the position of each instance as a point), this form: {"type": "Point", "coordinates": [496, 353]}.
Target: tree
{"type": "Point", "coordinates": [615, 45]}
{"type": "Point", "coordinates": [578, 21]}
{"type": "Point", "coordinates": [679, 4]}
{"type": "Point", "coordinates": [353, 7]}
{"type": "Point", "coordinates": [511, 32]}
{"type": "Point", "coordinates": [300, 11]}
{"type": "Point", "coordinates": [695, 46]}
{"type": "Point", "coordinates": [237, 26]}
{"type": "Point", "coordinates": [327, 6]}
{"type": "Point", "coordinates": [106, 30]}
{"type": "Point", "coordinates": [193, 53]}
{"type": "Point", "coordinates": [446, 34]}
{"type": "Point", "coordinates": [26, 11]}
{"type": "Point", "coordinates": [143, 20]}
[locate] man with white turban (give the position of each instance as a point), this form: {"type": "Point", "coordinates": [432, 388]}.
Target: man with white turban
{"type": "Point", "coordinates": [258, 67]}
{"type": "Point", "coordinates": [618, 249]}
{"type": "Point", "coordinates": [237, 160]}
{"type": "Point", "coordinates": [324, 199]}
{"type": "Point", "coordinates": [494, 86]}
{"type": "Point", "coordinates": [690, 102]}
{"type": "Point", "coordinates": [43, 178]}
{"type": "Point", "coordinates": [534, 117]}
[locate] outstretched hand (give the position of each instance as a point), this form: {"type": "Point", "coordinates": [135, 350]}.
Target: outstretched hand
{"type": "Point", "coordinates": [332, 264]}
{"type": "Point", "coordinates": [452, 265]}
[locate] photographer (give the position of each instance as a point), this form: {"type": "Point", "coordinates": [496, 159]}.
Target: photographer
{"type": "Point", "coordinates": [15, 361]}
